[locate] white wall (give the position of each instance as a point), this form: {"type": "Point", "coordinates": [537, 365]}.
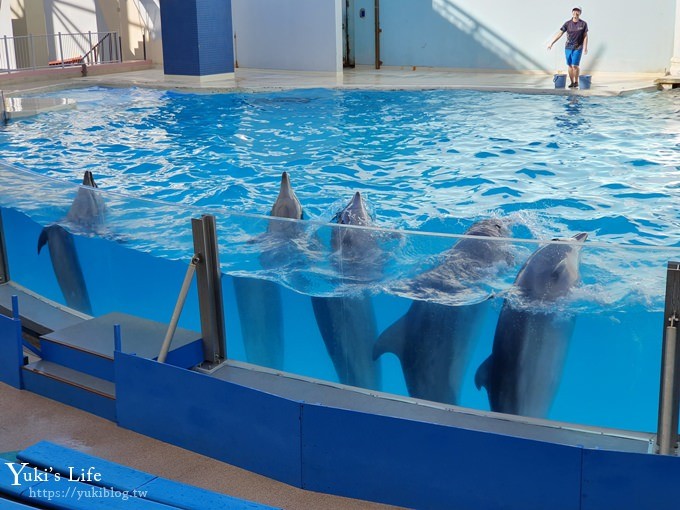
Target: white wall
{"type": "Point", "coordinates": [5, 18]}
{"type": "Point", "coordinates": [66, 16]}
{"type": "Point", "coordinates": [489, 34]}
{"type": "Point", "coordinates": [497, 34]}
{"type": "Point", "coordinates": [301, 35]}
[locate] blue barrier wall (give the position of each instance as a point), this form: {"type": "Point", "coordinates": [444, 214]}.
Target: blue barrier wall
{"type": "Point", "coordinates": [197, 37]}
{"type": "Point", "coordinates": [381, 458]}
{"type": "Point", "coordinates": [425, 465]}
{"type": "Point", "coordinates": [238, 425]}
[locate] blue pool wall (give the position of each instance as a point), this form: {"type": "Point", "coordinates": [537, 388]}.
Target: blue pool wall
{"type": "Point", "coordinates": [197, 37]}
{"type": "Point", "coordinates": [387, 459]}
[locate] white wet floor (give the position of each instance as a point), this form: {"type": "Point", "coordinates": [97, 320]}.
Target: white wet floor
{"type": "Point", "coordinates": [387, 78]}
{"type": "Point", "coordinates": [603, 84]}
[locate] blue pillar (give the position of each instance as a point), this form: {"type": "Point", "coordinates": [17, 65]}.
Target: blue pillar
{"type": "Point", "coordinates": [197, 37]}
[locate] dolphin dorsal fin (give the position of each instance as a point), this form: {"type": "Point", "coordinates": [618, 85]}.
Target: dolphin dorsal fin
{"type": "Point", "coordinates": [393, 340]}
{"type": "Point", "coordinates": [482, 374]}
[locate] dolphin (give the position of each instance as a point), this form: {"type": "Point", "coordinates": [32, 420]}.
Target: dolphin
{"type": "Point", "coordinates": [88, 209]}
{"type": "Point", "coordinates": [523, 372]}
{"type": "Point", "coordinates": [434, 341]}
{"type": "Point", "coordinates": [66, 266]}
{"type": "Point", "coordinates": [259, 301]}
{"type": "Point", "coordinates": [86, 212]}
{"type": "Point", "coordinates": [287, 204]}
{"type": "Point", "coordinates": [347, 323]}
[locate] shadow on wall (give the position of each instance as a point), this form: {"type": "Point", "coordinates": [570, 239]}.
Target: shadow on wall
{"type": "Point", "coordinates": [150, 15]}
{"type": "Point", "coordinates": [504, 50]}
{"type": "Point", "coordinates": [58, 12]}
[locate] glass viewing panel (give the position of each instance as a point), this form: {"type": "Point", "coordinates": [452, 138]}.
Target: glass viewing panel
{"type": "Point", "coordinates": [96, 252]}
{"type": "Point", "coordinates": [565, 330]}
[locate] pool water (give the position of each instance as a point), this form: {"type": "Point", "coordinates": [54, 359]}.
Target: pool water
{"type": "Point", "coordinates": [427, 161]}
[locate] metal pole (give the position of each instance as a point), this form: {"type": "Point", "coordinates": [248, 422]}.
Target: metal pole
{"type": "Point", "coordinates": [15, 307]}
{"type": "Point", "coordinates": [61, 51]}
{"type": "Point", "coordinates": [31, 42]}
{"type": "Point", "coordinates": [209, 284]}
{"type": "Point", "coordinates": [117, 338]}
{"type": "Point", "coordinates": [120, 48]}
{"type": "Point", "coordinates": [4, 263]}
{"type": "Point", "coordinates": [144, 43]}
{"type": "Point", "coordinates": [7, 54]}
{"type": "Point", "coordinates": [377, 34]}
{"type": "Point", "coordinates": [89, 52]}
{"type": "Point", "coordinates": [178, 309]}
{"type": "Point", "coordinates": [669, 394]}
{"type": "Point", "coordinates": [5, 120]}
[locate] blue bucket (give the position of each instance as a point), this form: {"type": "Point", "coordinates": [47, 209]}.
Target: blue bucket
{"type": "Point", "coordinates": [560, 81]}
{"type": "Point", "coordinates": [584, 81]}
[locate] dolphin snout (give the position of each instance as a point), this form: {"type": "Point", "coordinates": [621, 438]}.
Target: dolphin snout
{"type": "Point", "coordinates": [88, 179]}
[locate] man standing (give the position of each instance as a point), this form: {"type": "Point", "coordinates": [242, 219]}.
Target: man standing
{"type": "Point", "coordinates": [577, 43]}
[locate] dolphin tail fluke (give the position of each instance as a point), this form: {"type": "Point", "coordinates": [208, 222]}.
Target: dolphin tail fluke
{"type": "Point", "coordinates": [482, 374]}
{"type": "Point", "coordinates": [42, 240]}
{"type": "Point", "coordinates": [393, 340]}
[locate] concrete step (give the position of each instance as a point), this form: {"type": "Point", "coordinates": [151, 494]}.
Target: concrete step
{"type": "Point", "coordinates": [38, 314]}
{"type": "Point", "coordinates": [71, 387]}
{"type": "Point", "coordinates": [88, 346]}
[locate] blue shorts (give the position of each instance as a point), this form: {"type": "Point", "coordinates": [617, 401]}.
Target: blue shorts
{"type": "Point", "coordinates": [573, 56]}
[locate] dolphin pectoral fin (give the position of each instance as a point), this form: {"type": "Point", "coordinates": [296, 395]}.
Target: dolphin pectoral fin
{"type": "Point", "coordinates": [393, 340]}
{"type": "Point", "coordinates": [482, 374]}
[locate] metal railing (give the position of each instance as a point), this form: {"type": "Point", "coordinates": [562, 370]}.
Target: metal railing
{"type": "Point", "coordinates": [31, 52]}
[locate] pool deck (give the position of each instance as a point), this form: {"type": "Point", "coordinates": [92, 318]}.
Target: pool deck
{"type": "Point", "coordinates": [603, 84]}
{"type": "Point", "coordinates": [26, 418]}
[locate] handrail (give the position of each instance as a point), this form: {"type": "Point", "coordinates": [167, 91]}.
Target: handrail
{"type": "Point", "coordinates": [31, 52]}
{"type": "Point", "coordinates": [94, 48]}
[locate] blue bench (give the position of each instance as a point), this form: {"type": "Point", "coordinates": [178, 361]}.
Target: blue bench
{"type": "Point", "coordinates": [100, 483]}
{"type": "Point", "coordinates": [52, 491]}
{"type": "Point", "coordinates": [7, 504]}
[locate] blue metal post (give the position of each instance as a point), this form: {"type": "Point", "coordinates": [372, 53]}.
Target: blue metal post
{"type": "Point", "coordinates": [15, 307]}
{"type": "Point", "coordinates": [11, 348]}
{"type": "Point", "coordinates": [117, 338]}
